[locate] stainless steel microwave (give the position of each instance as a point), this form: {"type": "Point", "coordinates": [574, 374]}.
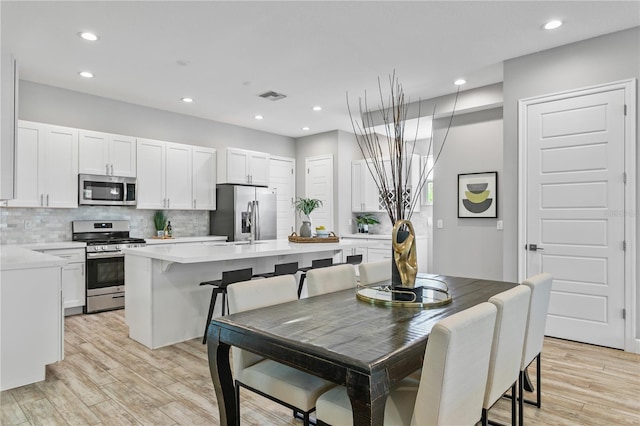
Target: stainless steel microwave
{"type": "Point", "coordinates": [97, 190]}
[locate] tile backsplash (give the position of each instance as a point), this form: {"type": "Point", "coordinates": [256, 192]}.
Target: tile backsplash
{"type": "Point", "coordinates": [419, 221]}
{"type": "Point", "coordinates": [39, 225]}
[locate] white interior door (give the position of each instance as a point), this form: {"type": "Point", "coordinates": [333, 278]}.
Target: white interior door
{"type": "Point", "coordinates": [575, 203]}
{"type": "Point", "coordinates": [282, 180]}
{"type": "Point", "coordinates": [319, 184]}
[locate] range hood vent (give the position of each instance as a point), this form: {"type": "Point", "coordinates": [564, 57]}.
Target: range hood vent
{"type": "Point", "coordinates": [273, 96]}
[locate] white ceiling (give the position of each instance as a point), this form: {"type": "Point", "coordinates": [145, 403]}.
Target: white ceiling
{"type": "Point", "coordinates": [224, 54]}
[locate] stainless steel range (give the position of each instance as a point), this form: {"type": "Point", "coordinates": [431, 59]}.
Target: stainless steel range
{"type": "Point", "coordinates": [105, 261]}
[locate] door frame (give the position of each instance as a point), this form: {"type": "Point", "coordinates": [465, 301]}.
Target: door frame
{"type": "Point", "coordinates": [331, 182]}
{"type": "Point", "coordinates": [629, 87]}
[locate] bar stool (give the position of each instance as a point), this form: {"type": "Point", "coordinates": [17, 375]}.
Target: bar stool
{"type": "Point", "coordinates": [280, 269]}
{"type": "Point", "coordinates": [318, 263]}
{"type": "Point", "coordinates": [220, 286]}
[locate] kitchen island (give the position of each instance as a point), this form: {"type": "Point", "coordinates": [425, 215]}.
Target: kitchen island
{"type": "Point", "coordinates": [164, 302]}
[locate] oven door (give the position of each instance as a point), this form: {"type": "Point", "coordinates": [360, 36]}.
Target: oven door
{"type": "Point", "coordinates": [105, 281]}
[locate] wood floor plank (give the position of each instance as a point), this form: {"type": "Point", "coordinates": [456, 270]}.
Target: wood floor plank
{"type": "Point", "coordinates": [10, 411]}
{"type": "Point", "coordinates": [42, 412]}
{"type": "Point", "coordinates": [185, 414]}
{"type": "Point", "coordinates": [80, 383]}
{"type": "Point", "coordinates": [111, 413]}
{"type": "Point", "coordinates": [70, 407]}
{"type": "Point", "coordinates": [140, 406]}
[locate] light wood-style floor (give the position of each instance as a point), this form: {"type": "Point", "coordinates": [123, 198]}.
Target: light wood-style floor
{"type": "Point", "coordinates": [108, 379]}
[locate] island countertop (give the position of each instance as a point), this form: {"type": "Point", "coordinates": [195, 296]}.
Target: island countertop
{"type": "Point", "coordinates": [181, 253]}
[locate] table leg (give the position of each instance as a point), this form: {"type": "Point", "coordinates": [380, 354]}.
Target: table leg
{"type": "Point", "coordinates": [220, 369]}
{"type": "Point", "coordinates": [368, 395]}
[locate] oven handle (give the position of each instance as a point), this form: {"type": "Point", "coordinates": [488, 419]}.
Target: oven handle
{"type": "Point", "coordinates": [104, 255]}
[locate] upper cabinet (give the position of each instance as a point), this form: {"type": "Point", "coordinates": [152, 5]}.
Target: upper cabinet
{"type": "Point", "coordinates": [164, 175]}
{"type": "Point", "coordinates": [175, 176]}
{"type": "Point", "coordinates": [246, 167]}
{"type": "Point", "coordinates": [8, 118]}
{"type": "Point", "coordinates": [364, 193]}
{"type": "Point", "coordinates": [365, 196]}
{"type": "Point", "coordinates": [107, 154]}
{"type": "Point", "coordinates": [204, 178]}
{"type": "Point", "coordinates": [46, 166]}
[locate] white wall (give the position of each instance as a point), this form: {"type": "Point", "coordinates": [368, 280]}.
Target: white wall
{"type": "Point", "coordinates": [470, 247]}
{"type": "Point", "coordinates": [53, 105]}
{"type": "Point", "coordinates": [590, 62]}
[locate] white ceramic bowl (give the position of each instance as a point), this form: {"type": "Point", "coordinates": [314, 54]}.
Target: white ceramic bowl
{"type": "Point", "coordinates": [322, 233]}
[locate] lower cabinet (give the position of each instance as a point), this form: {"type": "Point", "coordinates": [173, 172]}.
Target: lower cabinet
{"type": "Point", "coordinates": [32, 332]}
{"type": "Point", "coordinates": [384, 251]}
{"type": "Point", "coordinates": [73, 277]}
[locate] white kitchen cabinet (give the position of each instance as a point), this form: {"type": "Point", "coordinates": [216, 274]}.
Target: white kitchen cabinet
{"type": "Point", "coordinates": [73, 276]}
{"type": "Point", "coordinates": [244, 167]}
{"type": "Point", "coordinates": [46, 166]}
{"type": "Point", "coordinates": [106, 154]}
{"type": "Point", "coordinates": [383, 249]}
{"type": "Point", "coordinates": [204, 178]}
{"type": "Point", "coordinates": [364, 192]}
{"type": "Point", "coordinates": [8, 121]}
{"type": "Point", "coordinates": [32, 332]}
{"type": "Point", "coordinates": [165, 179]}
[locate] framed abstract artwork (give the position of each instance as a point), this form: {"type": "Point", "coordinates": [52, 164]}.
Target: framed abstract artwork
{"type": "Point", "coordinates": [478, 195]}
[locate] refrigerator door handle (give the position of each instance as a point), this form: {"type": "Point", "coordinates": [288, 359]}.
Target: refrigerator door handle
{"type": "Point", "coordinates": [256, 219]}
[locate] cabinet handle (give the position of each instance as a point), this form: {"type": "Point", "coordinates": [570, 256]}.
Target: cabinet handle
{"type": "Point", "coordinates": [164, 202]}
{"type": "Point", "coordinates": [107, 167]}
{"type": "Point", "coordinates": [194, 204]}
{"type": "Point", "coordinates": [41, 200]}
{"type": "Point", "coordinates": [168, 203]}
{"type": "Point", "coordinates": [47, 200]}
{"type": "Point", "coordinates": [83, 269]}
{"type": "Point", "coordinates": [111, 169]}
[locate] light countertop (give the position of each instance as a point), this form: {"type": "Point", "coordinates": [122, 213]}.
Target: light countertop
{"type": "Point", "coordinates": [178, 240]}
{"type": "Point", "coordinates": [14, 257]}
{"type": "Point", "coordinates": [54, 246]}
{"type": "Point", "coordinates": [192, 253]}
{"type": "Point", "coordinates": [376, 236]}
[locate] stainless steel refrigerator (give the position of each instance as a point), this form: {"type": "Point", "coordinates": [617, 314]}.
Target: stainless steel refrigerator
{"type": "Point", "coordinates": [244, 213]}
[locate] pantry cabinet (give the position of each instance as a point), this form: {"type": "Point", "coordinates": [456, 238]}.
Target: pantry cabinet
{"type": "Point", "coordinates": [106, 154]}
{"type": "Point", "coordinates": [46, 166]}
{"type": "Point", "coordinates": [243, 166]}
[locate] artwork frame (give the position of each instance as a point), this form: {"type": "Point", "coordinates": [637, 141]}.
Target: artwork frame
{"type": "Point", "coordinates": [478, 195]}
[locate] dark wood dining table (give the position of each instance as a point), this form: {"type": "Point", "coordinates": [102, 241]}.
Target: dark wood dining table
{"type": "Point", "coordinates": [365, 347]}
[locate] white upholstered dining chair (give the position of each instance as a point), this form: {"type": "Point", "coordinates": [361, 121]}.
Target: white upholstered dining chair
{"type": "Point", "coordinates": [453, 380]}
{"type": "Point", "coordinates": [540, 286]}
{"type": "Point", "coordinates": [506, 350]}
{"type": "Point", "coordinates": [288, 386]}
{"type": "Point", "coordinates": [375, 272]}
{"type": "Point", "coordinates": [330, 279]}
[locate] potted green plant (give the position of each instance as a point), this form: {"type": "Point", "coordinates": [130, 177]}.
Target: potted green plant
{"type": "Point", "coordinates": [364, 220]}
{"type": "Point", "coordinates": [306, 206]}
{"type": "Point", "coordinates": [160, 222]}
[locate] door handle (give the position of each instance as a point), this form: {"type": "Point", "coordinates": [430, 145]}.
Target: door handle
{"type": "Point", "coordinates": [533, 247]}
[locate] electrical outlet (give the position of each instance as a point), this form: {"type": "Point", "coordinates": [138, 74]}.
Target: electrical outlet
{"type": "Point", "coordinates": [500, 225]}
{"type": "Point", "coordinates": [439, 224]}
{"type": "Point", "coordinates": [28, 224]}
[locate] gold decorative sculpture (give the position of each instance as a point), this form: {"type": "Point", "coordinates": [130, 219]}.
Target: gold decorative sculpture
{"type": "Point", "coordinates": [404, 253]}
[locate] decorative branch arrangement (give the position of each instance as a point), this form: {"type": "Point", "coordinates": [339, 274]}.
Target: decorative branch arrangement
{"type": "Point", "coordinates": [393, 177]}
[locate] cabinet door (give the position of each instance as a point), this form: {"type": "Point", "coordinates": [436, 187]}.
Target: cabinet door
{"type": "Point", "coordinates": [73, 285]}
{"type": "Point", "coordinates": [376, 254]}
{"type": "Point", "coordinates": [178, 176]}
{"type": "Point", "coordinates": [122, 156]}
{"type": "Point", "coordinates": [151, 174]}
{"type": "Point", "coordinates": [259, 168]}
{"type": "Point", "coordinates": [237, 166]}
{"type": "Point", "coordinates": [93, 153]}
{"type": "Point", "coordinates": [357, 188]}
{"type": "Point", "coordinates": [204, 178]}
{"type": "Point", "coordinates": [370, 194]}
{"type": "Point", "coordinates": [60, 163]}
{"type": "Point", "coordinates": [27, 171]}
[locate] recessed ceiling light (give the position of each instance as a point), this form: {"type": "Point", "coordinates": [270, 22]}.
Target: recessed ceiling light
{"type": "Point", "coordinates": [305, 128]}
{"type": "Point", "coordinates": [317, 108]}
{"type": "Point", "coordinates": [88, 36]}
{"type": "Point", "coordinates": [459, 82]}
{"type": "Point", "coordinates": [187, 100]}
{"type": "Point", "coordinates": [258, 117]}
{"type": "Point", "coordinates": [86, 74]}
{"type": "Point", "coordinates": [552, 25]}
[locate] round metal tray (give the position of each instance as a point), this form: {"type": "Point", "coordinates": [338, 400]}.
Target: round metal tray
{"type": "Point", "coordinates": [435, 293]}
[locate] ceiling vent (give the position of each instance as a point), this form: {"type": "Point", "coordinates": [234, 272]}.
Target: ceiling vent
{"type": "Point", "coordinates": [273, 96]}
